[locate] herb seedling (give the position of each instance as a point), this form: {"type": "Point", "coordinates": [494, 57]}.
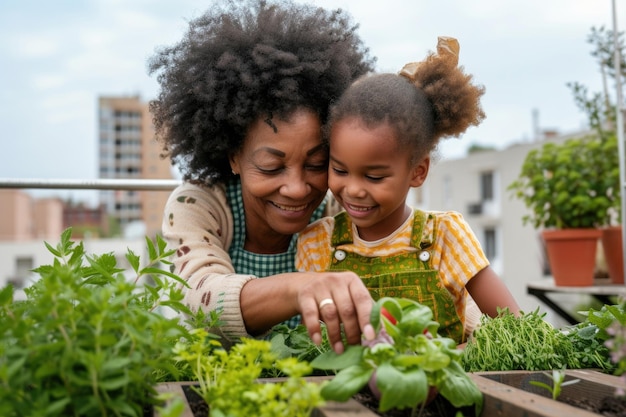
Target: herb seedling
{"type": "Point", "coordinates": [611, 323]}
{"type": "Point", "coordinates": [228, 380]}
{"type": "Point", "coordinates": [558, 382]}
{"type": "Point", "coordinates": [407, 360]}
{"type": "Point", "coordinates": [528, 342]}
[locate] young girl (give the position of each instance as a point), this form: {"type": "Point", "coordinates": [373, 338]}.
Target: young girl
{"type": "Point", "coordinates": [382, 132]}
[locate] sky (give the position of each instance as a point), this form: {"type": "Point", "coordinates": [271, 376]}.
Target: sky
{"type": "Point", "coordinates": [57, 57]}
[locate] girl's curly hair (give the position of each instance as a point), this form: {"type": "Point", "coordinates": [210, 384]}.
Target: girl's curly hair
{"type": "Point", "coordinates": [244, 60]}
{"type": "Point", "coordinates": [440, 101]}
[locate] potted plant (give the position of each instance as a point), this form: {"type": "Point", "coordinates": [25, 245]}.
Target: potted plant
{"type": "Point", "coordinates": [611, 238]}
{"type": "Point", "coordinates": [572, 191]}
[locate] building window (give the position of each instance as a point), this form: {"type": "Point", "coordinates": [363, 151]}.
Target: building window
{"type": "Point", "coordinates": [23, 267]}
{"type": "Point", "coordinates": [490, 243]}
{"type": "Point", "coordinates": [487, 186]}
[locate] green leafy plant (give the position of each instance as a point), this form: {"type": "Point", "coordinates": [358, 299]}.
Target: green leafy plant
{"type": "Point", "coordinates": [88, 341]}
{"type": "Point", "coordinates": [228, 380]}
{"type": "Point", "coordinates": [558, 382]}
{"type": "Point", "coordinates": [528, 342]}
{"type": "Point", "coordinates": [407, 361]}
{"type": "Point", "coordinates": [295, 342]}
{"type": "Point", "coordinates": [610, 321]}
{"type": "Point", "coordinates": [573, 184]}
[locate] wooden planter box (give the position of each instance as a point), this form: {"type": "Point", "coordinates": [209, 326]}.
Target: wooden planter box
{"type": "Point", "coordinates": [331, 409]}
{"type": "Point", "coordinates": [508, 394]}
{"type": "Point", "coordinates": [511, 394]}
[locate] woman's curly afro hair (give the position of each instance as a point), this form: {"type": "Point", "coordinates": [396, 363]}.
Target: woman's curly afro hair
{"type": "Point", "coordinates": [244, 60]}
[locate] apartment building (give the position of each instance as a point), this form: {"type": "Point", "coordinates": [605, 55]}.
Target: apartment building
{"type": "Point", "coordinates": [25, 218]}
{"type": "Point", "coordinates": [128, 150]}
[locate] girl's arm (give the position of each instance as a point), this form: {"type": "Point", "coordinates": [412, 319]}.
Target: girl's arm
{"type": "Point", "coordinates": [490, 293]}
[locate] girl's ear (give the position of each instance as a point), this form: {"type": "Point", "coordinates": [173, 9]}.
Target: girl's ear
{"type": "Point", "coordinates": [420, 172]}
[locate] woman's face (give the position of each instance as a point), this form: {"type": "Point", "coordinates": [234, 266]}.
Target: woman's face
{"type": "Point", "coordinates": [284, 173]}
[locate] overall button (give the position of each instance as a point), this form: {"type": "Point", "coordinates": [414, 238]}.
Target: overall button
{"type": "Point", "coordinates": [424, 256]}
{"type": "Point", "coordinates": [340, 255]}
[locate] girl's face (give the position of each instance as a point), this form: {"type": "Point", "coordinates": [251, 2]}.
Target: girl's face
{"type": "Point", "coordinates": [284, 175]}
{"type": "Point", "coordinates": [370, 175]}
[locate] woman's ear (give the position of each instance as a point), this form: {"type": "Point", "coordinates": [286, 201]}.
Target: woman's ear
{"type": "Point", "coordinates": [420, 172]}
{"type": "Point", "coordinates": [233, 160]}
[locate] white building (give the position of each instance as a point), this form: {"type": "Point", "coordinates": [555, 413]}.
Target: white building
{"type": "Point", "coordinates": [476, 186]}
{"type": "Point", "coordinates": [17, 259]}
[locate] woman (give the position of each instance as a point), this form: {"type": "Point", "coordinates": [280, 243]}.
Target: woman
{"type": "Point", "coordinates": [243, 100]}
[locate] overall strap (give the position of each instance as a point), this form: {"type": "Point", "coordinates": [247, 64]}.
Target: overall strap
{"type": "Point", "coordinates": [423, 236]}
{"type": "Point", "coordinates": [342, 231]}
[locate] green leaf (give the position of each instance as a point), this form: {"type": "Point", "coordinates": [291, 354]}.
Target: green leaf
{"type": "Point", "coordinates": [16, 366]}
{"type": "Point", "coordinates": [161, 244]}
{"type": "Point", "coordinates": [6, 295]}
{"type": "Point", "coordinates": [56, 407]}
{"type": "Point", "coordinates": [415, 320]}
{"type": "Point", "coordinates": [152, 254]}
{"type": "Point", "coordinates": [347, 382]}
{"type": "Point", "coordinates": [115, 383]}
{"type": "Point", "coordinates": [115, 364]}
{"type": "Point", "coordinates": [458, 388]}
{"type": "Point", "coordinates": [330, 360]}
{"type": "Point", "coordinates": [157, 271]}
{"type": "Point", "coordinates": [400, 389]}
{"type": "Point", "coordinates": [52, 250]}
{"type": "Point", "coordinates": [133, 260]}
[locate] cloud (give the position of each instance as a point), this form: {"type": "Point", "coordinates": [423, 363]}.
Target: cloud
{"type": "Point", "coordinates": [33, 46]}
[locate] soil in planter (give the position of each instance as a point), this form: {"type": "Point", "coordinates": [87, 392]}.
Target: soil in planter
{"type": "Point", "coordinates": [198, 406]}
{"type": "Point", "coordinates": [610, 407]}
{"type": "Point", "coordinates": [439, 407]}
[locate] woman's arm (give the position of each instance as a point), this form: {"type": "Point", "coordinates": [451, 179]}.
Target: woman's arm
{"type": "Point", "coordinates": [198, 224]}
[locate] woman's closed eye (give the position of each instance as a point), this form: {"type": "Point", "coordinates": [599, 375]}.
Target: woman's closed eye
{"type": "Point", "coordinates": [270, 170]}
{"type": "Point", "coordinates": [317, 166]}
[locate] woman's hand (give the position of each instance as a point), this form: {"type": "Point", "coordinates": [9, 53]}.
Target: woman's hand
{"type": "Point", "coordinates": [336, 298]}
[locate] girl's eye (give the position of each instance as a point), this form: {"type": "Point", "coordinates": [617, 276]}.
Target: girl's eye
{"type": "Point", "coordinates": [339, 171]}
{"type": "Point", "coordinates": [374, 178]}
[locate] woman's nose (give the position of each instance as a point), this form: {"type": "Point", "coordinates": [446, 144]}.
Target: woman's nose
{"type": "Point", "coordinates": [296, 186]}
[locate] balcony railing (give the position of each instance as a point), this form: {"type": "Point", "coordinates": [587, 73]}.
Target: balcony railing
{"type": "Point", "coordinates": [95, 184]}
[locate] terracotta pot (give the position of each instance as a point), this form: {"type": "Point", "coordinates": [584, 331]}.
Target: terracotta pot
{"type": "Point", "coordinates": [572, 255]}
{"type": "Point", "coordinates": [613, 253]}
